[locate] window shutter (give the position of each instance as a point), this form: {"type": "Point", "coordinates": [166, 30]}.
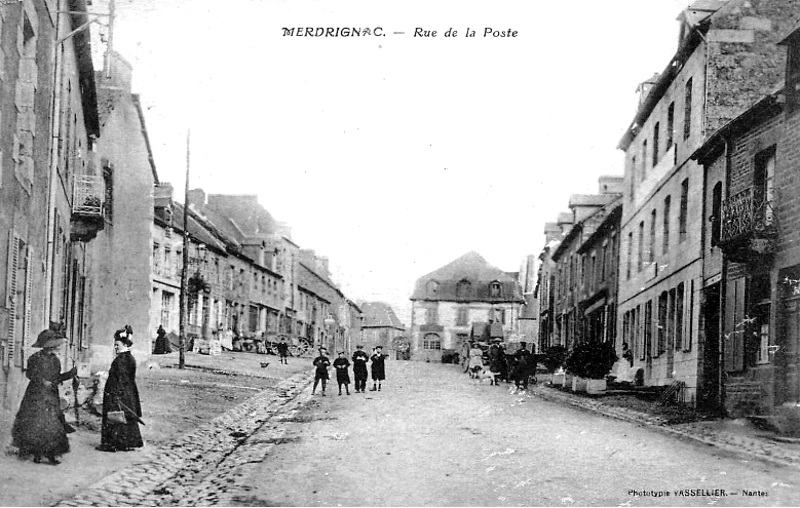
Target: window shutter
{"type": "Point", "coordinates": [734, 328]}
{"type": "Point", "coordinates": [11, 298]}
{"type": "Point", "coordinates": [26, 335]}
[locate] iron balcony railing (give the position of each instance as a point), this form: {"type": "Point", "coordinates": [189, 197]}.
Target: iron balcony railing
{"type": "Point", "coordinates": [745, 217]}
{"type": "Point", "coordinates": [88, 196]}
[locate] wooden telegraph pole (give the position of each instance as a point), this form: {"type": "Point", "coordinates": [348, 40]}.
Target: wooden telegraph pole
{"type": "Point", "coordinates": [185, 271]}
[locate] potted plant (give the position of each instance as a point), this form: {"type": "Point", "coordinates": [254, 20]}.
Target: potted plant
{"type": "Point", "coordinates": [554, 358]}
{"type": "Point", "coordinates": [591, 361]}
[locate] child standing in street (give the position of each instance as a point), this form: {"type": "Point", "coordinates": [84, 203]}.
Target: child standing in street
{"type": "Point", "coordinates": [378, 369]}
{"type": "Point", "coordinates": [341, 365]}
{"type": "Point", "coordinates": [360, 359]}
{"type": "Point", "coordinates": [321, 364]}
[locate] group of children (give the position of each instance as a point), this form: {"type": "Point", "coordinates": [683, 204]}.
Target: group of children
{"type": "Point", "coordinates": [342, 364]}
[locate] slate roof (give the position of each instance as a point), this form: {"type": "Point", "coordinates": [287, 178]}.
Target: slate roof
{"type": "Point", "coordinates": [478, 273]}
{"type": "Point", "coordinates": [380, 315]}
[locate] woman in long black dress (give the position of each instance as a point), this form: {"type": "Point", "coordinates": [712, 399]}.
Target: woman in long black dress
{"type": "Point", "coordinates": [39, 428]}
{"type": "Point", "coordinates": [121, 393]}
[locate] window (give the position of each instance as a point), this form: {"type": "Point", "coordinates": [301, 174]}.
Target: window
{"type": "Point", "coordinates": [640, 248]}
{"type": "Point", "coordinates": [462, 288]}
{"type": "Point", "coordinates": [593, 273]}
{"type": "Point", "coordinates": [670, 125]}
{"type": "Point", "coordinates": [462, 317]}
{"type": "Point", "coordinates": [156, 259]}
{"type": "Point", "coordinates": [671, 321]}
{"type": "Point", "coordinates": [655, 143]}
{"type": "Point", "coordinates": [792, 75]}
{"type": "Point", "coordinates": [643, 172]}
{"type": "Point", "coordinates": [651, 257]}
{"type": "Point", "coordinates": [687, 110]}
{"type": "Point", "coordinates": [662, 323]}
{"type": "Point", "coordinates": [716, 213]}
{"type": "Point", "coordinates": [603, 263]}
{"type": "Point", "coordinates": [633, 175]}
{"type": "Point", "coordinates": [495, 289]}
{"type": "Point", "coordinates": [683, 211]}
{"type": "Point", "coordinates": [432, 314]}
{"type": "Point", "coordinates": [647, 347]}
{"type": "Point", "coordinates": [108, 187]}
{"type": "Point", "coordinates": [583, 270]}
{"type": "Point", "coordinates": [763, 191]}
{"type": "Point", "coordinates": [665, 228]}
{"type": "Point", "coordinates": [630, 255]}
{"type": "Point", "coordinates": [166, 309]}
{"type": "Point", "coordinates": [679, 317]}
{"type": "Point", "coordinates": [431, 341]}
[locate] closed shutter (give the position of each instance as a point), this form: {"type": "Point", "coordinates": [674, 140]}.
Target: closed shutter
{"type": "Point", "coordinates": [734, 325]}
{"type": "Point", "coordinates": [26, 334]}
{"type": "Point", "coordinates": [11, 299]}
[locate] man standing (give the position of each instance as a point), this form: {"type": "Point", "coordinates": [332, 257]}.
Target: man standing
{"type": "Point", "coordinates": [341, 365]}
{"type": "Point", "coordinates": [321, 364]}
{"type": "Point", "coordinates": [522, 366]}
{"type": "Point", "coordinates": [378, 370]}
{"type": "Point", "coordinates": [360, 359]}
{"type": "Point", "coordinates": [283, 351]}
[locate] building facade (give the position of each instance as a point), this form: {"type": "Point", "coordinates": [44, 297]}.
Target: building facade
{"type": "Point", "coordinates": [447, 302]}
{"type": "Point", "coordinates": [727, 58]}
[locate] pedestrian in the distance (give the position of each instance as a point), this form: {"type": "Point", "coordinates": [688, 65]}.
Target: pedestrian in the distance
{"type": "Point", "coordinates": [321, 364]}
{"type": "Point", "coordinates": [40, 428]}
{"type": "Point", "coordinates": [283, 351]}
{"type": "Point", "coordinates": [121, 394]}
{"type": "Point", "coordinates": [378, 368]}
{"type": "Point", "coordinates": [162, 343]}
{"type": "Point", "coordinates": [522, 366]}
{"type": "Point", "coordinates": [360, 359]}
{"type": "Point", "coordinates": [341, 365]}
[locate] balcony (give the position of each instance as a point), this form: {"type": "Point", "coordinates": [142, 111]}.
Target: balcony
{"type": "Point", "coordinates": [748, 227]}
{"type": "Point", "coordinates": [87, 207]}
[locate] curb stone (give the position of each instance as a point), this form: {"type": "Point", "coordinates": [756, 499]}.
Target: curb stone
{"type": "Point", "coordinates": [193, 460]}
{"type": "Point", "coordinates": [764, 450]}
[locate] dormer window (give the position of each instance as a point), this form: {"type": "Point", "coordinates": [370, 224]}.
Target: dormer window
{"type": "Point", "coordinates": [462, 288]}
{"type": "Point", "coordinates": [432, 287]}
{"type": "Point", "coordinates": [495, 289]}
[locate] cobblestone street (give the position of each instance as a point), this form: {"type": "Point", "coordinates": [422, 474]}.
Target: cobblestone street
{"type": "Point", "coordinates": [434, 437]}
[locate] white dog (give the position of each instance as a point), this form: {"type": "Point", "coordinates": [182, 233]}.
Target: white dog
{"type": "Point", "coordinates": [487, 374]}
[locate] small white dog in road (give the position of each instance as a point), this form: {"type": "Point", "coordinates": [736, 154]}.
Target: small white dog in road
{"type": "Point", "coordinates": [487, 374]}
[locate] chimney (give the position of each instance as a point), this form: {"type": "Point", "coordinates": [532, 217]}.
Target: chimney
{"type": "Point", "coordinates": [611, 184]}
{"type": "Point", "coordinates": [197, 198]}
{"type": "Point", "coordinates": [645, 87]}
{"type": "Point", "coordinates": [552, 231]}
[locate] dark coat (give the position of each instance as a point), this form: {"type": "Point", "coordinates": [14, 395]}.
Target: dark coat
{"type": "Point", "coordinates": [342, 375]}
{"type": "Point", "coordinates": [360, 359]}
{"type": "Point", "coordinates": [39, 427]}
{"type": "Point", "coordinates": [378, 368]}
{"type": "Point", "coordinates": [523, 365]}
{"type": "Point", "coordinates": [122, 393]}
{"type": "Point", "coordinates": [321, 363]}
{"type": "Point", "coordinates": [162, 343]}
{"type": "Point", "coordinates": [283, 349]}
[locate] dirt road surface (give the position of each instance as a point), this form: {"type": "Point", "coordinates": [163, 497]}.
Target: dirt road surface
{"type": "Point", "coordinates": [432, 437]}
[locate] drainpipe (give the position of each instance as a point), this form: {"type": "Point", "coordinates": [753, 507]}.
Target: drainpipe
{"type": "Point", "coordinates": [55, 125]}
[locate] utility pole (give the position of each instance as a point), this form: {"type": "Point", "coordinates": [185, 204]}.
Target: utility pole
{"type": "Point", "coordinates": [185, 270]}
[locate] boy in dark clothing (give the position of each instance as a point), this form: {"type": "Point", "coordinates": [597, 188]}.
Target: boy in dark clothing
{"type": "Point", "coordinates": [360, 359]}
{"type": "Point", "coordinates": [341, 365]}
{"type": "Point", "coordinates": [283, 351]}
{"type": "Point", "coordinates": [322, 362]}
{"type": "Point", "coordinates": [378, 369]}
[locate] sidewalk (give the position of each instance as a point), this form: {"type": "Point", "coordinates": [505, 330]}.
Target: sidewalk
{"type": "Point", "coordinates": [738, 437]}
{"type": "Point", "coordinates": [176, 403]}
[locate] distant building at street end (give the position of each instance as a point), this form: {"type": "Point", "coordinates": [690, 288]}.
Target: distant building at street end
{"type": "Point", "coordinates": [381, 327]}
{"type": "Point", "coordinates": [447, 301]}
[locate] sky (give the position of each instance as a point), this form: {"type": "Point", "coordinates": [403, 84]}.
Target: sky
{"type": "Point", "coordinates": [395, 155]}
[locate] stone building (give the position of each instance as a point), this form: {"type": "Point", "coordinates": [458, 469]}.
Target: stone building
{"type": "Point", "coordinates": [447, 301]}
{"type": "Point", "coordinates": [727, 59]}
{"type": "Point", "coordinates": [381, 327]}
{"type": "Point", "coordinates": [753, 259]}
{"type": "Point", "coordinates": [546, 280]}
{"type": "Point", "coordinates": [575, 269]}
{"type": "Point", "coordinates": [51, 196]}
{"type": "Point", "coordinates": [119, 261]}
